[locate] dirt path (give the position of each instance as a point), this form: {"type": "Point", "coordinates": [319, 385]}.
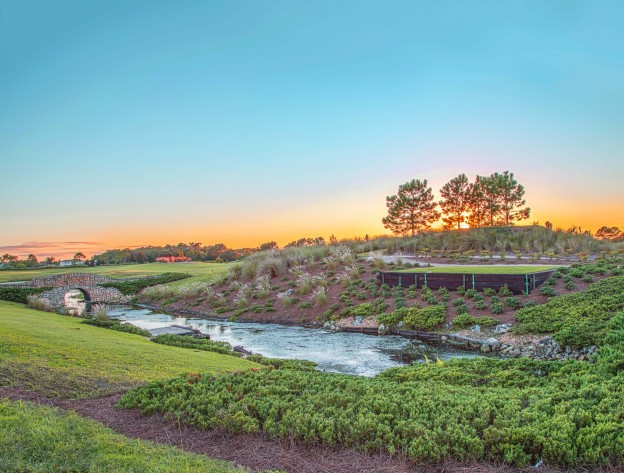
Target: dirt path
{"type": "Point", "coordinates": [255, 452]}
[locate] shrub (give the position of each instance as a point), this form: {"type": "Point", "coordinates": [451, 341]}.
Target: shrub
{"type": "Point", "coordinates": [20, 294]}
{"type": "Point", "coordinates": [488, 291]}
{"type": "Point", "coordinates": [497, 308]}
{"type": "Point", "coordinates": [114, 324]}
{"type": "Point", "coordinates": [461, 290]}
{"type": "Point", "coordinates": [471, 293]}
{"type": "Point", "coordinates": [505, 291]}
{"type": "Point", "coordinates": [547, 291]}
{"type": "Point", "coordinates": [184, 341]}
{"type": "Point", "coordinates": [305, 305]}
{"type": "Point", "coordinates": [128, 288]}
{"type": "Point", "coordinates": [513, 302]}
{"type": "Point", "coordinates": [464, 320]}
{"type": "Point", "coordinates": [426, 318]}
{"type": "Point", "coordinates": [481, 305]}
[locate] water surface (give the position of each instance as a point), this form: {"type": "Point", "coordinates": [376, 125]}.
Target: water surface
{"type": "Point", "coordinates": [350, 353]}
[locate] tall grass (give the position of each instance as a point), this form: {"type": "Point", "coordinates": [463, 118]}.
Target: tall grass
{"type": "Point", "coordinates": [39, 303]}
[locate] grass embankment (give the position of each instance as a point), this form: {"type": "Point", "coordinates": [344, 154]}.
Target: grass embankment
{"type": "Point", "coordinates": [36, 438]}
{"type": "Point", "coordinates": [60, 356]}
{"type": "Point", "coordinates": [519, 411]}
{"type": "Point", "coordinates": [200, 272]}
{"type": "Point", "coordinates": [481, 269]}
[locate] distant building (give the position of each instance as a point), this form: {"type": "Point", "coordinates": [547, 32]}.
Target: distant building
{"type": "Point", "coordinates": [71, 262]}
{"type": "Point", "coordinates": [172, 259]}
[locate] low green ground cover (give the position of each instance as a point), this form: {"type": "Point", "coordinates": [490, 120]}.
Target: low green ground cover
{"type": "Point", "coordinates": [20, 294]}
{"type": "Point", "coordinates": [579, 319]}
{"type": "Point", "coordinates": [204, 272]}
{"type": "Point", "coordinates": [45, 439]}
{"type": "Point", "coordinates": [63, 357]}
{"type": "Point", "coordinates": [183, 341]}
{"type": "Point", "coordinates": [132, 287]}
{"type": "Point", "coordinates": [519, 411]}
{"type": "Point", "coordinates": [482, 269]}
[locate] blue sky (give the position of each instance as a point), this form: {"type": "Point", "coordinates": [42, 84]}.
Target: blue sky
{"type": "Point", "coordinates": [241, 122]}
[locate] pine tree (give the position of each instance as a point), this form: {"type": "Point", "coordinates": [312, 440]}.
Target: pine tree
{"type": "Point", "coordinates": [412, 209]}
{"type": "Point", "coordinates": [456, 199]}
{"type": "Point", "coordinates": [511, 198]}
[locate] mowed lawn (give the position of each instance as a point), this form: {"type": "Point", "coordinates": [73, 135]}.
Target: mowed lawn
{"type": "Point", "coordinates": [481, 269]}
{"type": "Point", "coordinates": [62, 357]}
{"type": "Point", "coordinates": [205, 272]}
{"type": "Point", "coordinates": [45, 439]}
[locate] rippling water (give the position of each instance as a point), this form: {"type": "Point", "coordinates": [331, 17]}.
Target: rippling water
{"type": "Point", "coordinates": [350, 353]}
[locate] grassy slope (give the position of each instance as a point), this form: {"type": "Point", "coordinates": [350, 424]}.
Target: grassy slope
{"type": "Point", "coordinates": [63, 357]}
{"type": "Point", "coordinates": [481, 269]}
{"type": "Point", "coordinates": [198, 271]}
{"type": "Point", "coordinates": [46, 439]}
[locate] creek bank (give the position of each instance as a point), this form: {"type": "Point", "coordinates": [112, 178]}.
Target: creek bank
{"type": "Point", "coordinates": [499, 341]}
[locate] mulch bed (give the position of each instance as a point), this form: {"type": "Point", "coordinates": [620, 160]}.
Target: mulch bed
{"type": "Point", "coordinates": [255, 452]}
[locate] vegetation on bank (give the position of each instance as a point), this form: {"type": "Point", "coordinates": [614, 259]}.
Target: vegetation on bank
{"type": "Point", "coordinates": [204, 272]}
{"type": "Point", "coordinates": [518, 411]}
{"type": "Point", "coordinates": [37, 438]}
{"type": "Point", "coordinates": [132, 287]}
{"type": "Point", "coordinates": [20, 294]}
{"type": "Point", "coordinates": [62, 357]}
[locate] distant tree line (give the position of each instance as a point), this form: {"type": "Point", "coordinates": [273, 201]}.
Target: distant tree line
{"type": "Point", "coordinates": [194, 251]}
{"type": "Point", "coordinates": [494, 200]}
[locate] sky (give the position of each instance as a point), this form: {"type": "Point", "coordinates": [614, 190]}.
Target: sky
{"type": "Point", "coordinates": [125, 123]}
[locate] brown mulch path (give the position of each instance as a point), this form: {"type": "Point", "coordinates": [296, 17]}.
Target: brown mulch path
{"type": "Point", "coordinates": [255, 452]}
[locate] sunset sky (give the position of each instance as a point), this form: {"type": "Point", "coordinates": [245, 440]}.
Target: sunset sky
{"type": "Point", "coordinates": [124, 123]}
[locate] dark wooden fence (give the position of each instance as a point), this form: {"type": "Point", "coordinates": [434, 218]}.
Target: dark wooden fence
{"type": "Point", "coordinates": [518, 283]}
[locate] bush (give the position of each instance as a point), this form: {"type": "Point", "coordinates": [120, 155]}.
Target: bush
{"type": "Point", "coordinates": [488, 291]}
{"type": "Point", "coordinates": [497, 308]}
{"type": "Point", "coordinates": [20, 294]}
{"type": "Point", "coordinates": [426, 318]}
{"type": "Point", "coordinates": [505, 291]}
{"type": "Point", "coordinates": [579, 318]}
{"type": "Point", "coordinates": [128, 288]}
{"type": "Point", "coordinates": [113, 324]}
{"type": "Point", "coordinates": [513, 302]}
{"type": "Point", "coordinates": [481, 305]}
{"type": "Point", "coordinates": [184, 341]}
{"type": "Point", "coordinates": [547, 291]}
{"type": "Point", "coordinates": [464, 320]}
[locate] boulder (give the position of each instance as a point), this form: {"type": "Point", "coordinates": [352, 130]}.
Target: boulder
{"type": "Point", "coordinates": [502, 328]}
{"type": "Point", "coordinates": [475, 328]}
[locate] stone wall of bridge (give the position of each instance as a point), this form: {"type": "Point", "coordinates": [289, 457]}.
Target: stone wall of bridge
{"type": "Point", "coordinates": [56, 297]}
{"type": "Point", "coordinates": [70, 279]}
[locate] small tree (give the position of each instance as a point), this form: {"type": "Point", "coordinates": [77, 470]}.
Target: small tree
{"type": "Point", "coordinates": [610, 233]}
{"type": "Point", "coordinates": [511, 198]}
{"type": "Point", "coordinates": [476, 205]}
{"type": "Point", "coordinates": [269, 245]}
{"type": "Point", "coordinates": [412, 209]}
{"type": "Point", "coordinates": [31, 260]}
{"type": "Point", "coordinates": [456, 198]}
{"type": "Point", "coordinates": [79, 256]}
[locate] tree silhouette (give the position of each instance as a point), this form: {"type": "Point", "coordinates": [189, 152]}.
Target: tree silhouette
{"type": "Point", "coordinates": [455, 200]}
{"type": "Point", "coordinates": [79, 256]}
{"type": "Point", "coordinates": [412, 209]}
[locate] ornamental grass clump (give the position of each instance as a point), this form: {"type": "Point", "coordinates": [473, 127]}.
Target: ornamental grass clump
{"type": "Point", "coordinates": [320, 296]}
{"type": "Point", "coordinates": [39, 303]}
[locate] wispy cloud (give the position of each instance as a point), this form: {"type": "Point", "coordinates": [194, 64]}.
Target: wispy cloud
{"type": "Point", "coordinates": [50, 248]}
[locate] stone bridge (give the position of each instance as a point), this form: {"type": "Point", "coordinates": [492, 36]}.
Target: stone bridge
{"type": "Point", "coordinates": [89, 284]}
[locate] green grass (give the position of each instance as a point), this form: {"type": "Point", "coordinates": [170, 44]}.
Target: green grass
{"type": "Point", "coordinates": [63, 357]}
{"type": "Point", "coordinates": [204, 272]}
{"type": "Point", "coordinates": [481, 269]}
{"type": "Point", "coordinates": [45, 439]}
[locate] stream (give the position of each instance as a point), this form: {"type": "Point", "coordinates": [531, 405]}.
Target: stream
{"type": "Point", "coordinates": [349, 353]}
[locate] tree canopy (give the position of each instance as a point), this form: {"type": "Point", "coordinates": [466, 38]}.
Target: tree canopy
{"type": "Point", "coordinates": [412, 209]}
